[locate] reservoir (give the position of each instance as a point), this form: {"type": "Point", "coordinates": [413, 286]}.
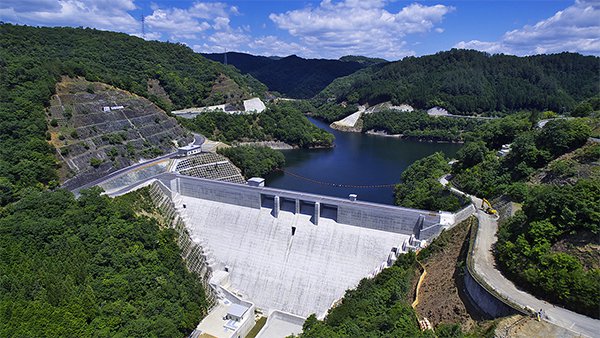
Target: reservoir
{"type": "Point", "coordinates": [356, 160]}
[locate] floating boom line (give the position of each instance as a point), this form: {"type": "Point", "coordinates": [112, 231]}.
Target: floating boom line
{"type": "Point", "coordinates": [339, 185]}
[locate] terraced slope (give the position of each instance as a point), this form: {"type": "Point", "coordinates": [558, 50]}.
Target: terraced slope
{"type": "Point", "coordinates": [98, 128]}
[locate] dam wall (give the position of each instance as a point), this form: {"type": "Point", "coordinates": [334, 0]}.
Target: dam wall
{"type": "Point", "coordinates": [357, 213]}
{"type": "Point", "coordinates": [192, 253]}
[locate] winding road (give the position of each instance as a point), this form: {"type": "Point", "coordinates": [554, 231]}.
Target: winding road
{"type": "Point", "coordinates": [198, 141]}
{"type": "Point", "coordinates": [485, 267]}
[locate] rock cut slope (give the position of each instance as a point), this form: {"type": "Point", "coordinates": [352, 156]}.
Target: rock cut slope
{"type": "Point", "coordinates": [97, 128]}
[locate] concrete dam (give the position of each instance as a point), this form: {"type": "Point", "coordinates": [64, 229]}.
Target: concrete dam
{"type": "Point", "coordinates": [291, 251]}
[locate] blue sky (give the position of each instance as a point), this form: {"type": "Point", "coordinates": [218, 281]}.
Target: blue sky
{"type": "Point", "coordinates": [390, 29]}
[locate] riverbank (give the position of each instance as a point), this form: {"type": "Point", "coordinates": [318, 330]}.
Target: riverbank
{"type": "Point", "coordinates": [405, 137]}
{"type": "Point", "coordinates": [383, 133]}
{"type": "Point", "coordinates": [277, 145]}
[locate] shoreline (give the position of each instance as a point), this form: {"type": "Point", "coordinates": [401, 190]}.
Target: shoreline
{"type": "Point", "coordinates": [276, 145]}
{"type": "Point", "coordinates": [383, 133]}
{"type": "Point", "coordinates": [279, 145]}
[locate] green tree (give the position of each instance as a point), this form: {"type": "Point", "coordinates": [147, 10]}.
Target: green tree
{"type": "Point", "coordinates": [471, 154]}
{"type": "Point", "coordinates": [254, 161]}
{"type": "Point", "coordinates": [561, 136]}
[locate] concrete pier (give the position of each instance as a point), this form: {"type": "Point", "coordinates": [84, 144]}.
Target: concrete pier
{"type": "Point", "coordinates": [276, 206]}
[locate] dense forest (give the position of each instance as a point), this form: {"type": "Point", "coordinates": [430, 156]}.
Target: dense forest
{"type": "Point", "coordinates": [254, 161]}
{"type": "Point", "coordinates": [419, 125]}
{"type": "Point", "coordinates": [32, 60]}
{"type": "Point", "coordinates": [89, 267]}
{"type": "Point", "coordinates": [283, 122]}
{"type": "Point", "coordinates": [535, 248]}
{"type": "Point", "coordinates": [466, 82]}
{"type": "Point", "coordinates": [420, 188]}
{"type": "Point", "coordinates": [482, 173]}
{"type": "Point", "coordinates": [294, 76]}
{"type": "Point", "coordinates": [92, 267]}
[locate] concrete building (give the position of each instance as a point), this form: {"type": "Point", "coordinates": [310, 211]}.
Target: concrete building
{"type": "Point", "coordinates": [231, 317]}
{"type": "Point", "coordinates": [189, 150]}
{"type": "Point", "coordinates": [256, 182]}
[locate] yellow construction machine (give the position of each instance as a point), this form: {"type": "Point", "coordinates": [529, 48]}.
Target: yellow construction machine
{"type": "Point", "coordinates": [487, 207]}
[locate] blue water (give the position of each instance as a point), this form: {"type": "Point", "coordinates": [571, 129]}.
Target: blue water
{"type": "Point", "coordinates": [356, 159]}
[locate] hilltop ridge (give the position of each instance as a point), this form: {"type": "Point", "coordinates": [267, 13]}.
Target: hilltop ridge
{"type": "Point", "coordinates": [292, 75]}
{"type": "Point", "coordinates": [470, 82]}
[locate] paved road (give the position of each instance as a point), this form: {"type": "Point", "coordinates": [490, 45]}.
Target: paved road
{"type": "Point", "coordinates": [122, 172]}
{"type": "Point", "coordinates": [198, 140]}
{"type": "Point", "coordinates": [485, 267]}
{"type": "Point", "coordinates": [542, 123]}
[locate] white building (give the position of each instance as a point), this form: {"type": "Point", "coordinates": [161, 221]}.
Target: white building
{"type": "Point", "coordinates": [232, 317]}
{"type": "Point", "coordinates": [189, 150]}
{"type": "Point", "coordinates": [254, 105]}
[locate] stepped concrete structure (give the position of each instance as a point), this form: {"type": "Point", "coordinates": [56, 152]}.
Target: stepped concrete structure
{"type": "Point", "coordinates": [287, 263]}
{"type": "Point", "coordinates": [290, 251]}
{"type": "Point", "coordinates": [210, 166]}
{"type": "Point", "coordinates": [287, 253]}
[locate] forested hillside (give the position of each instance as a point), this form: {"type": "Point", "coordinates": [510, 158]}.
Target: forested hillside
{"type": "Point", "coordinates": [466, 82]}
{"type": "Point", "coordinates": [551, 248]}
{"type": "Point", "coordinates": [32, 61]}
{"type": "Point", "coordinates": [283, 121]}
{"type": "Point", "coordinates": [293, 76]}
{"type": "Point", "coordinates": [92, 267]}
{"type": "Point", "coordinates": [419, 187]}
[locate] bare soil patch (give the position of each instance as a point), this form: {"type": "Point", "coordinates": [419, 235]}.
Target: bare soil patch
{"type": "Point", "coordinates": [527, 327]}
{"type": "Point", "coordinates": [441, 296]}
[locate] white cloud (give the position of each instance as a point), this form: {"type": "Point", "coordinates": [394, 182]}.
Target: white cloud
{"type": "Point", "coordinates": [101, 14]}
{"type": "Point", "coordinates": [329, 29]}
{"type": "Point", "coordinates": [272, 45]}
{"type": "Point", "coordinates": [359, 26]}
{"type": "Point", "coordinates": [574, 29]}
{"type": "Point", "coordinates": [179, 23]}
{"type": "Point", "coordinates": [221, 23]}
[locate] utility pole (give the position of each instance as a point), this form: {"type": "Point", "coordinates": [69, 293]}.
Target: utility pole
{"type": "Point", "coordinates": [143, 27]}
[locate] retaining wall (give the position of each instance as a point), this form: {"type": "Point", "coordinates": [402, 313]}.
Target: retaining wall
{"type": "Point", "coordinates": [192, 253]}
{"type": "Point", "coordinates": [482, 295]}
